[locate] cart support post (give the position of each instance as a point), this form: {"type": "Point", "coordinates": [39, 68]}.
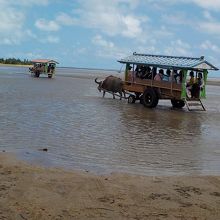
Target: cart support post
{"type": "Point", "coordinates": [203, 91]}
{"type": "Point", "coordinates": [183, 93]}
{"type": "Point", "coordinates": [126, 72]}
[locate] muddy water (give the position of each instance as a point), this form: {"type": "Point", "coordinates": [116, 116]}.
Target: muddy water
{"type": "Point", "coordinates": [81, 130]}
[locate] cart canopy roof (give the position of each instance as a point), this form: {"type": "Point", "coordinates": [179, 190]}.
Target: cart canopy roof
{"type": "Point", "coordinates": [44, 61]}
{"type": "Point", "coordinates": [166, 62]}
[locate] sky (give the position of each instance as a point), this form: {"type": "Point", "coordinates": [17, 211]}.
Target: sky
{"type": "Point", "coordinates": [96, 33]}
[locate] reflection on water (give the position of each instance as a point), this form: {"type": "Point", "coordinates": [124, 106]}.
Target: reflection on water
{"type": "Point", "coordinates": [82, 130]}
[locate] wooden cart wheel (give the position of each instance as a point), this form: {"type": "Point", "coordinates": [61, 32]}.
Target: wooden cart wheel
{"type": "Point", "coordinates": [177, 103]}
{"type": "Point", "coordinates": [50, 76]}
{"type": "Point", "coordinates": [131, 99]}
{"type": "Point", "coordinates": [150, 98]}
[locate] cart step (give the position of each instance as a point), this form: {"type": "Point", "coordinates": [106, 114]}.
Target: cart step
{"type": "Point", "coordinates": [194, 104]}
{"type": "Point", "coordinates": [190, 103]}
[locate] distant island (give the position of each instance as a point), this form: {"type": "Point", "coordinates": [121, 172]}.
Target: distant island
{"type": "Point", "coordinates": [14, 61]}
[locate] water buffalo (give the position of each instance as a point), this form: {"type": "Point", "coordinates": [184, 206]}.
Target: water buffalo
{"type": "Point", "coordinates": [111, 84]}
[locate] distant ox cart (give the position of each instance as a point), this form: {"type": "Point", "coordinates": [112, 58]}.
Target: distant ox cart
{"type": "Point", "coordinates": [150, 78]}
{"type": "Point", "coordinates": [43, 66]}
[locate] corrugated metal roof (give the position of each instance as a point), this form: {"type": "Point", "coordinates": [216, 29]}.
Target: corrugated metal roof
{"type": "Point", "coordinates": [44, 61]}
{"type": "Point", "coordinates": [169, 61]}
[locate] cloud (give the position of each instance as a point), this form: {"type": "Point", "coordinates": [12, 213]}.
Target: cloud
{"type": "Point", "coordinates": [208, 15]}
{"type": "Point", "coordinates": [178, 47]}
{"type": "Point", "coordinates": [178, 18]}
{"type": "Point", "coordinates": [26, 55]}
{"type": "Point", "coordinates": [108, 48]}
{"type": "Point", "coordinates": [13, 19]}
{"type": "Point", "coordinates": [208, 4]}
{"type": "Point", "coordinates": [10, 20]}
{"type": "Point", "coordinates": [111, 17]}
{"type": "Point", "coordinates": [207, 23]}
{"type": "Point", "coordinates": [45, 25]}
{"type": "Point", "coordinates": [62, 19]}
{"type": "Point", "coordinates": [162, 32]}
{"type": "Point", "coordinates": [11, 25]}
{"type": "Point", "coordinates": [207, 45]}
{"type": "Point", "coordinates": [132, 26]}
{"type": "Point", "coordinates": [52, 39]}
{"type": "Point", "coordinates": [65, 19]}
{"type": "Point", "coordinates": [49, 39]}
{"type": "Point", "coordinates": [32, 55]}
{"type": "Point", "coordinates": [24, 2]}
{"type": "Point", "coordinates": [210, 27]}
{"type": "Point", "coordinates": [98, 40]}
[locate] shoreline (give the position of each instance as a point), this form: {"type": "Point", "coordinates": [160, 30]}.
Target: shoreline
{"type": "Point", "coordinates": [213, 81]}
{"type": "Point", "coordinates": [61, 67]}
{"type": "Point", "coordinates": [34, 192]}
{"type": "Point", "coordinates": [210, 82]}
{"type": "Point", "coordinates": [14, 65]}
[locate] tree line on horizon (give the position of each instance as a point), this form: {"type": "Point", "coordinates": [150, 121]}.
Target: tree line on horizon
{"type": "Point", "coordinates": [15, 61]}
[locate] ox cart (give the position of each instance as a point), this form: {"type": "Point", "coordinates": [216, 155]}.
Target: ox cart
{"type": "Point", "coordinates": [149, 78]}
{"type": "Point", "coordinates": [43, 66]}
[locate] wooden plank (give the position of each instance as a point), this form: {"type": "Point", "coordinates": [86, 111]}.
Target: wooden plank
{"type": "Point", "coordinates": [194, 104]}
{"type": "Point", "coordinates": [134, 88]}
{"type": "Point", "coordinates": [168, 90]}
{"type": "Point", "coordinates": [156, 84]}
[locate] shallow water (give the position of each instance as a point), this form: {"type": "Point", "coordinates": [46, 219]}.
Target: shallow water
{"type": "Point", "coordinates": [82, 130]}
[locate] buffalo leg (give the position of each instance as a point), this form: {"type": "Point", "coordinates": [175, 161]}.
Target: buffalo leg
{"type": "Point", "coordinates": [124, 94]}
{"type": "Point", "coordinates": [120, 95]}
{"type": "Point", "coordinates": [103, 94]}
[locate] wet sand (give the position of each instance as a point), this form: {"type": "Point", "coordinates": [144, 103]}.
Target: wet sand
{"type": "Point", "coordinates": [31, 192]}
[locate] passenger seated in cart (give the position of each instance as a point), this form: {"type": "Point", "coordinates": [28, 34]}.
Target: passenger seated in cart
{"type": "Point", "coordinates": [189, 84]}
{"type": "Point", "coordinates": [191, 80]}
{"type": "Point", "coordinates": [49, 68]}
{"type": "Point", "coordinates": [143, 72]}
{"type": "Point", "coordinates": [159, 76]}
{"type": "Point", "coordinates": [146, 73]}
{"type": "Point", "coordinates": [138, 71]}
{"type": "Point", "coordinates": [154, 71]}
{"type": "Point", "coordinates": [52, 69]}
{"type": "Point", "coordinates": [197, 86]}
{"type": "Point", "coordinates": [179, 77]}
{"type": "Point", "coordinates": [167, 77]}
{"type": "Point", "coordinates": [199, 80]}
{"type": "Point", "coordinates": [175, 75]}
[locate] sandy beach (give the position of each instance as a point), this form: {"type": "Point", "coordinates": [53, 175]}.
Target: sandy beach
{"type": "Point", "coordinates": [31, 192]}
